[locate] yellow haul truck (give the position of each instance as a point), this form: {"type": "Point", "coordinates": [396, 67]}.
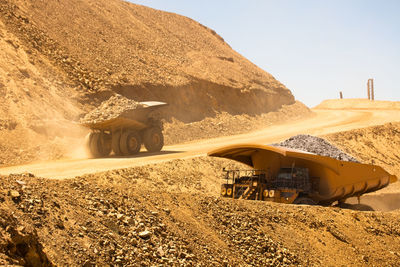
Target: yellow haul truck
{"type": "Point", "coordinates": [296, 177]}
{"type": "Point", "coordinates": [125, 134]}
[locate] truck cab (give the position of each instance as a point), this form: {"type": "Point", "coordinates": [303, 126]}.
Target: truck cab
{"type": "Point", "coordinates": [288, 185]}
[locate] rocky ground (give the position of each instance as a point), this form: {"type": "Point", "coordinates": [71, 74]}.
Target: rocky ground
{"type": "Point", "coordinates": [171, 214]}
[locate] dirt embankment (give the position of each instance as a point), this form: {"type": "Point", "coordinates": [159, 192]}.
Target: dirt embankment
{"type": "Point", "coordinates": [60, 59]}
{"type": "Point", "coordinates": [145, 54]}
{"type": "Point", "coordinates": [36, 108]}
{"type": "Point", "coordinates": [170, 214]}
{"type": "Point", "coordinates": [224, 124]}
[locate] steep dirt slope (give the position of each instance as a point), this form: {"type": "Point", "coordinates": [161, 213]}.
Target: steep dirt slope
{"type": "Point", "coordinates": [35, 104]}
{"type": "Point", "coordinates": [144, 54]}
{"type": "Point", "coordinates": [60, 59]}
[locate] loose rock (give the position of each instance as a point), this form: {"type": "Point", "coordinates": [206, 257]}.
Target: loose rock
{"type": "Point", "coordinates": [110, 109]}
{"type": "Point", "coordinates": [316, 145]}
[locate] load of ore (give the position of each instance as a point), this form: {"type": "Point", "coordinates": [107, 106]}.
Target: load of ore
{"type": "Point", "coordinates": [316, 145]}
{"type": "Point", "coordinates": [110, 109]}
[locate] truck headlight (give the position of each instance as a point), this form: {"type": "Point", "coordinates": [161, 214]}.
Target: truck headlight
{"type": "Point", "coordinates": [229, 191]}
{"type": "Point", "coordinates": [223, 191]}
{"type": "Point", "coordinates": [271, 193]}
{"type": "Point", "coordinates": [265, 193]}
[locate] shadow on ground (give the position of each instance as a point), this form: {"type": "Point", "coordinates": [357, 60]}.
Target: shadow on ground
{"type": "Point", "coordinates": [144, 154]}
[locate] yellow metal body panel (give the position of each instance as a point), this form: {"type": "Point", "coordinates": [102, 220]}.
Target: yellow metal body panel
{"type": "Point", "coordinates": [116, 123]}
{"type": "Point", "coordinates": [335, 179]}
{"type": "Point", "coordinates": [135, 118]}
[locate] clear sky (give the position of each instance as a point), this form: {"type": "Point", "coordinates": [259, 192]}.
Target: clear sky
{"type": "Point", "coordinates": [315, 47]}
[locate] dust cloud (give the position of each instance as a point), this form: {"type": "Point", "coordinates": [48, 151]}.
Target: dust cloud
{"type": "Point", "coordinates": [379, 201]}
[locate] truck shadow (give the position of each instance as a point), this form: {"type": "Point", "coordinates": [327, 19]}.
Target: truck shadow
{"type": "Point", "coordinates": [144, 154]}
{"type": "Point", "coordinates": [378, 202]}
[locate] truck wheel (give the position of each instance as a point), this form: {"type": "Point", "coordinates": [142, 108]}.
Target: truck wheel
{"type": "Point", "coordinates": [130, 143]}
{"type": "Point", "coordinates": [100, 145]}
{"type": "Point", "coordinates": [115, 143]}
{"type": "Point", "coordinates": [304, 201]}
{"type": "Point", "coordinates": [153, 139]}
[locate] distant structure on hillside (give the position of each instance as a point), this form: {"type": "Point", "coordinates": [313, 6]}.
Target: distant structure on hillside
{"type": "Point", "coordinates": [370, 89]}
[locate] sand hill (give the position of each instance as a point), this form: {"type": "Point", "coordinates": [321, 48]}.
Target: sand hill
{"type": "Point", "coordinates": [113, 46]}
{"type": "Point", "coordinates": [61, 59]}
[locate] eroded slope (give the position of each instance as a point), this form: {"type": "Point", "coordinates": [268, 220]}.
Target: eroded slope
{"type": "Point", "coordinates": [144, 54]}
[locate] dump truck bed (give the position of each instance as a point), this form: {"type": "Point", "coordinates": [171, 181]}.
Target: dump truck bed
{"type": "Point", "coordinates": [134, 118]}
{"type": "Point", "coordinates": [334, 179]}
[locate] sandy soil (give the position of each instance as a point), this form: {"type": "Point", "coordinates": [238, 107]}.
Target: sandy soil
{"type": "Point", "coordinates": [358, 103]}
{"type": "Point", "coordinates": [100, 47]}
{"type": "Point", "coordinates": [323, 122]}
{"type": "Point", "coordinates": [224, 124]}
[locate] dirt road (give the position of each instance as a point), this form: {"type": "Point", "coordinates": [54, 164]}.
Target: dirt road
{"type": "Point", "coordinates": [324, 121]}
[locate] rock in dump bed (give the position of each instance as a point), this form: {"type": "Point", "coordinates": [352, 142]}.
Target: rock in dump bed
{"type": "Point", "coordinates": [317, 146]}
{"type": "Point", "coordinates": [110, 109]}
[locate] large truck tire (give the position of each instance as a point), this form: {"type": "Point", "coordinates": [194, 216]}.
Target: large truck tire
{"type": "Point", "coordinates": [115, 143]}
{"type": "Point", "coordinates": [153, 139]}
{"type": "Point", "coordinates": [130, 142]}
{"type": "Point", "coordinates": [100, 145]}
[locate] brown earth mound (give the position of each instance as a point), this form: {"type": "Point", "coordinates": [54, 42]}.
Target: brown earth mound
{"type": "Point", "coordinates": [61, 59]}
{"type": "Point", "coordinates": [170, 214]}
{"type": "Point", "coordinates": [113, 46]}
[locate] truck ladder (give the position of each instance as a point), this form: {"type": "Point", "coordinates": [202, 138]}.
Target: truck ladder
{"type": "Point", "coordinates": [248, 192]}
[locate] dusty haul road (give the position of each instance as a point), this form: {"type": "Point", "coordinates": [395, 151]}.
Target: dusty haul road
{"type": "Point", "coordinates": [324, 121]}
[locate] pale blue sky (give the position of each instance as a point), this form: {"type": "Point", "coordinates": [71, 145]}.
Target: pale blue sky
{"type": "Point", "coordinates": [315, 47]}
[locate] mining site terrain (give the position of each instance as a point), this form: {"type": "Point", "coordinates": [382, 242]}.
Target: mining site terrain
{"type": "Point", "coordinates": [58, 207]}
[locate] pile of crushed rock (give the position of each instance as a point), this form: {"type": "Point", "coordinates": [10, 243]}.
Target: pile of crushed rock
{"type": "Point", "coordinates": [316, 145]}
{"type": "Point", "coordinates": [110, 109]}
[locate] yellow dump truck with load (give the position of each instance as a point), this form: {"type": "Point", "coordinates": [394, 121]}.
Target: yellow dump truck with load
{"type": "Point", "coordinates": [124, 134]}
{"type": "Point", "coordinates": [292, 176]}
